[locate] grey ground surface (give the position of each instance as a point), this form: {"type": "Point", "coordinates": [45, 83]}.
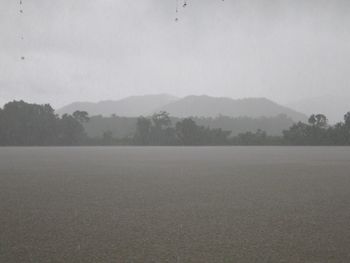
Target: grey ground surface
{"type": "Point", "coordinates": [175, 204]}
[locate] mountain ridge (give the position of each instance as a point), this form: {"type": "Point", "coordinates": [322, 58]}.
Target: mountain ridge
{"type": "Point", "coordinates": [128, 107]}
{"type": "Point", "coordinates": [192, 105]}
{"type": "Point", "coordinates": [207, 106]}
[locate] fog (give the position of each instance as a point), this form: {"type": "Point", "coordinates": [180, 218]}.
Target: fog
{"type": "Point", "coordinates": [294, 52]}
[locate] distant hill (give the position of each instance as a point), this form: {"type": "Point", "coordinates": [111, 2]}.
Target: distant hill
{"type": "Point", "coordinates": [198, 106]}
{"type": "Point", "coordinates": [127, 107]}
{"type": "Point", "coordinates": [205, 106]}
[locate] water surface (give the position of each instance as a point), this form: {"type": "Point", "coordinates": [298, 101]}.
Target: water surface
{"type": "Point", "coordinates": [175, 204]}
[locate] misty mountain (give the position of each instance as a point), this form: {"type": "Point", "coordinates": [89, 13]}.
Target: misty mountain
{"type": "Point", "coordinates": [199, 106]}
{"type": "Point", "coordinates": [127, 107]}
{"type": "Point", "coordinates": [206, 106]}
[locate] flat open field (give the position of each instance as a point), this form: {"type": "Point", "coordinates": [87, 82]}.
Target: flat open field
{"type": "Point", "coordinates": [175, 204]}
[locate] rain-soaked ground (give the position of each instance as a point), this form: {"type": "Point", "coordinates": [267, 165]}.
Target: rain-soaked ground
{"type": "Point", "coordinates": [175, 204]}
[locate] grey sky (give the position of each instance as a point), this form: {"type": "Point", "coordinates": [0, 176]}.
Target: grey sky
{"type": "Point", "coordinates": [90, 50]}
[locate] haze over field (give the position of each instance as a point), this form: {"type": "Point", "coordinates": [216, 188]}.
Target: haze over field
{"type": "Point", "coordinates": [87, 50]}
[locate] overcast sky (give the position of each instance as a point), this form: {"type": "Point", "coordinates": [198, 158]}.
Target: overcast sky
{"type": "Point", "coordinates": [90, 50]}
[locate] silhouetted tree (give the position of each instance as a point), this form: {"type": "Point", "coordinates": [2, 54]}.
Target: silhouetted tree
{"type": "Point", "coordinates": [340, 133]}
{"type": "Point", "coordinates": [347, 119]}
{"type": "Point", "coordinates": [161, 132]}
{"type": "Point", "coordinates": [81, 116]}
{"type": "Point", "coordinates": [316, 132]}
{"type": "Point", "coordinates": [22, 123]}
{"type": "Point", "coordinates": [187, 132]}
{"type": "Point", "coordinates": [71, 131]}
{"type": "Point", "coordinates": [321, 121]}
{"type": "Point", "coordinates": [161, 120]}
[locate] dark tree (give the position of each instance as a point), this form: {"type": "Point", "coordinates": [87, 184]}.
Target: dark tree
{"type": "Point", "coordinates": [321, 121]}
{"type": "Point", "coordinates": [187, 132]}
{"type": "Point", "coordinates": [347, 119]}
{"type": "Point", "coordinates": [22, 123]}
{"type": "Point", "coordinates": [81, 116]}
{"type": "Point", "coordinates": [143, 131]}
{"type": "Point", "coordinates": [161, 120]}
{"type": "Point", "coordinates": [71, 131]}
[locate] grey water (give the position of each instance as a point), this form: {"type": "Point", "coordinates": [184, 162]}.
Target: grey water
{"type": "Point", "coordinates": [175, 204]}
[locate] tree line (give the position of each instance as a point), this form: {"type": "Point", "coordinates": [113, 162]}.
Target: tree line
{"type": "Point", "coordinates": [28, 124]}
{"type": "Point", "coordinates": [121, 127]}
{"type": "Point", "coordinates": [318, 132]}
{"type": "Point", "coordinates": [158, 130]}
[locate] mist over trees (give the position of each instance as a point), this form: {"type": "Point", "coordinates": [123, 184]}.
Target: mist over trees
{"type": "Point", "coordinates": [28, 124]}
{"type": "Point", "coordinates": [122, 127]}
{"type": "Point", "coordinates": [189, 133]}
{"type": "Point", "coordinates": [157, 130]}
